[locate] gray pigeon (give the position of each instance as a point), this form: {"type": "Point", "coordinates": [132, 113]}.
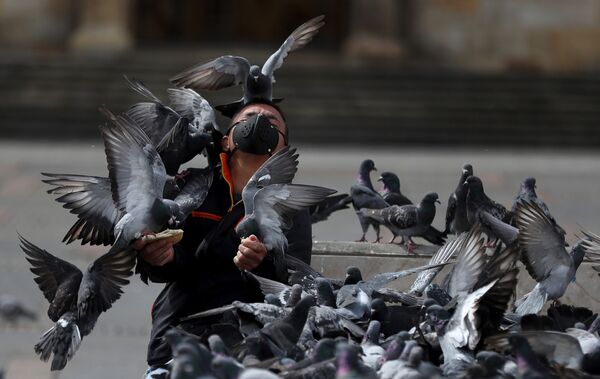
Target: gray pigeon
{"type": "Point", "coordinates": [527, 193]}
{"type": "Point", "coordinates": [494, 217]}
{"type": "Point", "coordinates": [228, 70]}
{"type": "Point", "coordinates": [270, 203]}
{"type": "Point", "coordinates": [406, 220]}
{"type": "Point", "coordinates": [544, 256]}
{"type": "Point", "coordinates": [393, 196]}
{"type": "Point", "coordinates": [177, 138]}
{"type": "Point", "coordinates": [364, 196]}
{"type": "Point", "coordinates": [456, 213]}
{"type": "Point", "coordinates": [91, 199]}
{"type": "Point", "coordinates": [76, 299]}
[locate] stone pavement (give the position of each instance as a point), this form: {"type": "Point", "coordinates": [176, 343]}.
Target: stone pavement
{"type": "Point", "coordinates": [568, 182]}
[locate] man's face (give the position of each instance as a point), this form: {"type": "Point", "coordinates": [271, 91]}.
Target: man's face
{"type": "Point", "coordinates": [251, 110]}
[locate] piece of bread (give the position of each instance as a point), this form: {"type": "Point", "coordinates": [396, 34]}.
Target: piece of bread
{"type": "Point", "coordinates": [173, 235]}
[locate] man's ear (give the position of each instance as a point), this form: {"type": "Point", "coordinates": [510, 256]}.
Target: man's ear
{"type": "Point", "coordinates": [225, 143]}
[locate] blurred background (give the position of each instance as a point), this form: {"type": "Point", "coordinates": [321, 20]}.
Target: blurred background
{"type": "Point", "coordinates": [419, 86]}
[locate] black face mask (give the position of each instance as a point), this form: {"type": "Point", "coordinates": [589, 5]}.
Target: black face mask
{"type": "Point", "coordinates": [256, 135]}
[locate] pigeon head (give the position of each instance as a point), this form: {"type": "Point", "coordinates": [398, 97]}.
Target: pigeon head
{"type": "Point", "coordinates": [255, 71]}
{"type": "Point", "coordinates": [247, 227]}
{"type": "Point", "coordinates": [272, 299]}
{"type": "Point", "coordinates": [437, 316]}
{"type": "Point", "coordinates": [415, 356]}
{"type": "Point", "coordinates": [367, 166]}
{"type": "Point", "coordinates": [347, 357]}
{"type": "Point", "coordinates": [226, 367]}
{"type": "Point", "coordinates": [474, 184]}
{"type": "Point", "coordinates": [467, 169]}
{"type": "Point", "coordinates": [295, 295]}
{"type": "Point", "coordinates": [325, 294]}
{"type": "Point", "coordinates": [372, 333]}
{"type": "Point", "coordinates": [379, 310]}
{"type": "Point", "coordinates": [162, 213]}
{"type": "Point", "coordinates": [324, 349]}
{"type": "Point", "coordinates": [529, 183]}
{"type": "Point", "coordinates": [216, 345]}
{"type": "Point", "coordinates": [353, 275]}
{"type": "Point", "coordinates": [394, 349]}
{"type": "Point", "coordinates": [390, 181]}
{"type": "Point", "coordinates": [431, 198]}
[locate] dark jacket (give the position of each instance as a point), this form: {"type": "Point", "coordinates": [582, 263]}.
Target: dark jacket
{"type": "Point", "coordinates": [202, 275]}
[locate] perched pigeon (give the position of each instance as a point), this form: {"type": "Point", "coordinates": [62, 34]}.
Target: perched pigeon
{"type": "Point", "coordinates": [544, 256]}
{"type": "Point", "coordinates": [493, 217]}
{"type": "Point", "coordinates": [349, 365]}
{"type": "Point", "coordinates": [324, 209]}
{"type": "Point", "coordinates": [407, 220]}
{"type": "Point", "coordinates": [190, 358]}
{"type": "Point", "coordinates": [456, 213]}
{"type": "Point", "coordinates": [393, 196]}
{"type": "Point", "coordinates": [372, 351]}
{"type": "Point", "coordinates": [270, 203]}
{"type": "Point", "coordinates": [257, 82]}
{"type": "Point", "coordinates": [364, 196]}
{"type": "Point", "coordinates": [391, 189]}
{"type": "Point", "coordinates": [177, 138]}
{"type": "Point", "coordinates": [76, 299]}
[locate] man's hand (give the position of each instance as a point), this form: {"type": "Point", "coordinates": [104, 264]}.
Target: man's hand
{"type": "Point", "coordinates": [156, 253]}
{"type": "Point", "coordinates": [250, 253]}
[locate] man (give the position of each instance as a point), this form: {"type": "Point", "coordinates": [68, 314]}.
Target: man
{"type": "Point", "coordinates": [203, 270]}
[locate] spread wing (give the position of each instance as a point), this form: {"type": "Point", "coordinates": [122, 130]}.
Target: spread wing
{"type": "Point", "coordinates": [189, 104]}
{"type": "Point", "coordinates": [280, 168]}
{"type": "Point", "coordinates": [542, 246]}
{"type": "Point", "coordinates": [469, 264]}
{"type": "Point", "coordinates": [102, 282]}
{"type": "Point", "coordinates": [441, 256]}
{"type": "Point", "coordinates": [90, 198]}
{"type": "Point", "coordinates": [225, 71]}
{"type": "Point", "coordinates": [136, 172]}
{"type": "Point", "coordinates": [379, 280]}
{"type": "Point", "coordinates": [298, 39]}
{"type": "Point", "coordinates": [55, 277]}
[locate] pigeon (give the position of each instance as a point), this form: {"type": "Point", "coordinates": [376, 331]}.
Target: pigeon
{"type": "Point", "coordinates": [137, 175]}
{"type": "Point", "coordinates": [190, 359]}
{"type": "Point", "coordinates": [493, 217]}
{"type": "Point", "coordinates": [257, 82]}
{"type": "Point", "coordinates": [318, 364]}
{"type": "Point", "coordinates": [527, 193]}
{"type": "Point", "coordinates": [406, 220]}
{"type": "Point", "coordinates": [456, 213]}
{"type": "Point", "coordinates": [270, 203]}
{"type": "Point", "coordinates": [372, 351]}
{"type": "Point", "coordinates": [349, 365]}
{"type": "Point", "coordinates": [364, 196]}
{"type": "Point", "coordinates": [393, 196]}
{"type": "Point", "coordinates": [544, 256]}
{"type": "Point", "coordinates": [11, 310]}
{"type": "Point", "coordinates": [177, 138]}
{"type": "Point", "coordinates": [76, 299]}
{"type": "Point", "coordinates": [391, 189]}
{"type": "Point", "coordinates": [321, 211]}
{"type": "Point", "coordinates": [91, 199]}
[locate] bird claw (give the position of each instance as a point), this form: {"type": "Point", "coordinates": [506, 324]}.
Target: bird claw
{"type": "Point", "coordinates": [182, 175]}
{"type": "Point", "coordinates": [555, 303]}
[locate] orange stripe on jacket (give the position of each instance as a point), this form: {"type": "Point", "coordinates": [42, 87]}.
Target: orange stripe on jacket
{"type": "Point", "coordinates": [210, 216]}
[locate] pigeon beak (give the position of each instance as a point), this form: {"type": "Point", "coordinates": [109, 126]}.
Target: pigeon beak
{"type": "Point", "coordinates": [380, 179]}
{"type": "Point", "coordinates": [439, 202]}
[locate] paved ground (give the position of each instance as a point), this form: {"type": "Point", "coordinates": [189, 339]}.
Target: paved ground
{"type": "Point", "coordinates": [568, 182]}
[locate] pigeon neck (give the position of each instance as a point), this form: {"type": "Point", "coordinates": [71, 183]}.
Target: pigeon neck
{"type": "Point", "coordinates": [426, 212]}
{"type": "Point", "coordinates": [364, 178]}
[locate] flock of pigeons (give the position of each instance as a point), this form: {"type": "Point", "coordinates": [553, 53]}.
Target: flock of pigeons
{"type": "Point", "coordinates": [465, 325]}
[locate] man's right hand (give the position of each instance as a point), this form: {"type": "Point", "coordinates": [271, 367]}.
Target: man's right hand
{"type": "Point", "coordinates": [156, 253]}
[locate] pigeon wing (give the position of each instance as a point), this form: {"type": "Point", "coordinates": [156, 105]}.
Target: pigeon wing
{"type": "Point", "coordinates": [136, 172]}
{"type": "Point", "coordinates": [195, 190]}
{"type": "Point", "coordinates": [225, 71]}
{"type": "Point", "coordinates": [90, 198]}
{"type": "Point", "coordinates": [443, 255]}
{"type": "Point", "coordinates": [298, 39]}
{"type": "Point", "coordinates": [542, 246]}
{"type": "Point", "coordinates": [51, 274]}
{"type": "Point", "coordinates": [189, 104]}
{"type": "Point", "coordinates": [102, 282]}
{"type": "Point", "coordinates": [379, 280]}
{"type": "Point", "coordinates": [469, 264]}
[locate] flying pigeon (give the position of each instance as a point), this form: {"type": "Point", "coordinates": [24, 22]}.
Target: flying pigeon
{"type": "Point", "coordinates": [544, 256]}
{"type": "Point", "coordinates": [257, 82]}
{"type": "Point", "coordinates": [270, 203]}
{"type": "Point", "coordinates": [456, 213]}
{"type": "Point", "coordinates": [76, 299]}
{"type": "Point", "coordinates": [177, 138]}
{"type": "Point", "coordinates": [364, 196]}
{"type": "Point", "coordinates": [407, 220]}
